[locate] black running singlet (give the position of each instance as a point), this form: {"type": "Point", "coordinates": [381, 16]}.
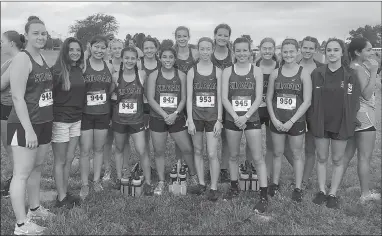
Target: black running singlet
{"type": "Point", "coordinates": [222, 64]}
{"type": "Point", "coordinates": [185, 65]}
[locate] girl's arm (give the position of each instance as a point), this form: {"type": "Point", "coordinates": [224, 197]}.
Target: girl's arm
{"type": "Point", "coordinates": [151, 84]}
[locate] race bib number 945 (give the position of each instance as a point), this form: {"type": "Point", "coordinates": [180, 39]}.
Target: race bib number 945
{"type": "Point", "coordinates": [286, 102]}
{"type": "Point", "coordinates": [96, 98]}
{"type": "Point", "coordinates": [205, 100]}
{"type": "Point", "coordinates": [241, 103]}
{"type": "Point", "coordinates": [128, 106]}
{"type": "Point", "coordinates": [169, 100]}
{"type": "Point", "coordinates": [46, 99]}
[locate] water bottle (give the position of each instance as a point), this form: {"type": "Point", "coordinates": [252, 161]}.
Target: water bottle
{"type": "Point", "coordinates": [137, 186]}
{"type": "Point", "coordinates": [173, 175]}
{"type": "Point", "coordinates": [125, 185]}
{"type": "Point", "coordinates": [244, 181]}
{"type": "Point", "coordinates": [182, 176]}
{"type": "Point", "coordinates": [255, 186]}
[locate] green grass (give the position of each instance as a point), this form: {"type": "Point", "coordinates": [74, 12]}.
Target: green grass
{"type": "Point", "coordinates": [111, 213]}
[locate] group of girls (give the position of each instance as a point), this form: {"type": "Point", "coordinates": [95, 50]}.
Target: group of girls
{"type": "Point", "coordinates": [186, 92]}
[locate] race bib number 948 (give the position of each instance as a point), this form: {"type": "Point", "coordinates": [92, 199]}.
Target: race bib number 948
{"type": "Point", "coordinates": [46, 99]}
{"type": "Point", "coordinates": [128, 106]}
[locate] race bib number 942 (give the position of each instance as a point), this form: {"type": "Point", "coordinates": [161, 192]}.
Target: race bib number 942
{"type": "Point", "coordinates": [205, 100]}
{"type": "Point", "coordinates": [241, 103]}
{"type": "Point", "coordinates": [169, 100]}
{"type": "Point", "coordinates": [96, 98]}
{"type": "Point", "coordinates": [128, 106]}
{"type": "Point", "coordinates": [46, 99]}
{"type": "Point", "coordinates": [286, 102]}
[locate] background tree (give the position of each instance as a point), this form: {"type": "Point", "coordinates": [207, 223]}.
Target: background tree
{"type": "Point", "coordinates": [372, 33]}
{"type": "Point", "coordinates": [49, 42]}
{"type": "Point", "coordinates": [92, 25]}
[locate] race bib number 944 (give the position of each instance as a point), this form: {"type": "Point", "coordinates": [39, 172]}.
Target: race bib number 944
{"type": "Point", "coordinates": [96, 98]}
{"type": "Point", "coordinates": [205, 100]}
{"type": "Point", "coordinates": [241, 103]}
{"type": "Point", "coordinates": [46, 99]}
{"type": "Point", "coordinates": [169, 100]}
{"type": "Point", "coordinates": [286, 102]}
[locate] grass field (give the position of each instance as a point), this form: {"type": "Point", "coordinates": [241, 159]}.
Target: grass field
{"type": "Point", "coordinates": [111, 213]}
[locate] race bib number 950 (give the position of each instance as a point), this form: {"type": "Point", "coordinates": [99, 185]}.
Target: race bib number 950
{"type": "Point", "coordinates": [286, 102]}
{"type": "Point", "coordinates": [241, 103]}
{"type": "Point", "coordinates": [169, 100]}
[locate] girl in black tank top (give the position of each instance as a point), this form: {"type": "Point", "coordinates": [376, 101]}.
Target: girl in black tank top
{"type": "Point", "coordinates": [182, 36]}
{"type": "Point", "coordinates": [205, 112]}
{"type": "Point", "coordinates": [241, 96]}
{"type": "Point", "coordinates": [128, 114]}
{"type": "Point", "coordinates": [288, 98]}
{"type": "Point", "coordinates": [166, 94]}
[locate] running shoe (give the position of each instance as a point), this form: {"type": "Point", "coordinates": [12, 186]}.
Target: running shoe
{"type": "Point", "coordinates": [29, 228]}
{"type": "Point", "coordinates": [41, 213]}
{"type": "Point", "coordinates": [273, 189]}
{"type": "Point", "coordinates": [107, 175]}
{"type": "Point", "coordinates": [297, 195]}
{"type": "Point", "coordinates": [197, 189]}
{"type": "Point", "coordinates": [372, 196]}
{"type": "Point", "coordinates": [332, 202]}
{"type": "Point", "coordinates": [320, 198]}
{"type": "Point", "coordinates": [232, 192]}
{"type": "Point", "coordinates": [213, 195]}
{"type": "Point", "coordinates": [261, 206]}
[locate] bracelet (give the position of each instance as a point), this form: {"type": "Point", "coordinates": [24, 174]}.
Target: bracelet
{"type": "Point", "coordinates": [291, 121]}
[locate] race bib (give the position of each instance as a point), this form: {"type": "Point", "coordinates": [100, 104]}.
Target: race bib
{"type": "Point", "coordinates": [95, 98]}
{"type": "Point", "coordinates": [169, 100]}
{"type": "Point", "coordinates": [205, 100]}
{"type": "Point", "coordinates": [128, 106]}
{"type": "Point", "coordinates": [241, 103]}
{"type": "Point", "coordinates": [263, 101]}
{"type": "Point", "coordinates": [46, 99]}
{"type": "Point", "coordinates": [286, 102]}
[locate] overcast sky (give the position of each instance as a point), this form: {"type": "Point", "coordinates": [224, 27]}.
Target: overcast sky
{"type": "Point", "coordinates": [159, 19]}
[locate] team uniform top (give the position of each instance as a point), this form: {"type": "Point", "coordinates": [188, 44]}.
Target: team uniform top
{"type": "Point", "coordinates": [38, 94]}
{"type": "Point", "coordinates": [149, 71]}
{"type": "Point", "coordinates": [167, 94]}
{"type": "Point", "coordinates": [288, 96]}
{"type": "Point", "coordinates": [263, 103]}
{"type": "Point", "coordinates": [97, 84]}
{"type": "Point", "coordinates": [204, 96]}
{"type": "Point", "coordinates": [185, 65]}
{"type": "Point", "coordinates": [68, 105]}
{"type": "Point", "coordinates": [222, 64]}
{"type": "Point", "coordinates": [242, 93]}
{"type": "Point", "coordinates": [6, 97]}
{"type": "Point", "coordinates": [129, 107]}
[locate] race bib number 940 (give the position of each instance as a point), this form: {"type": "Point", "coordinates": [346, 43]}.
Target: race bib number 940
{"type": "Point", "coordinates": [96, 98]}
{"type": "Point", "coordinates": [241, 103]}
{"type": "Point", "coordinates": [128, 106]}
{"type": "Point", "coordinates": [286, 102]}
{"type": "Point", "coordinates": [169, 100]}
{"type": "Point", "coordinates": [205, 100]}
{"type": "Point", "coordinates": [46, 99]}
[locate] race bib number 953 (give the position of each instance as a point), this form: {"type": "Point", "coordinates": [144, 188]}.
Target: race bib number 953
{"type": "Point", "coordinates": [96, 98]}
{"type": "Point", "coordinates": [169, 100]}
{"type": "Point", "coordinates": [241, 103]}
{"type": "Point", "coordinates": [286, 102]}
{"type": "Point", "coordinates": [46, 99]}
{"type": "Point", "coordinates": [205, 100]}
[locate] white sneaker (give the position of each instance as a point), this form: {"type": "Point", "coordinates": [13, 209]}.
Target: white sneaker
{"type": "Point", "coordinates": [107, 175]}
{"type": "Point", "coordinates": [29, 228]}
{"type": "Point", "coordinates": [40, 213]}
{"type": "Point", "coordinates": [372, 196]}
{"type": "Point", "coordinates": [159, 188]}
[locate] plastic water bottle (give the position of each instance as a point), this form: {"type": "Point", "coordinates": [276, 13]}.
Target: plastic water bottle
{"type": "Point", "coordinates": [137, 186]}
{"type": "Point", "coordinates": [182, 176]}
{"type": "Point", "coordinates": [173, 175]}
{"type": "Point", "coordinates": [125, 185]}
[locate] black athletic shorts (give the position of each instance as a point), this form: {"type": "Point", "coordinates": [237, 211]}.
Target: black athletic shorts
{"type": "Point", "coordinates": [16, 133]}
{"type": "Point", "coordinates": [128, 129]}
{"type": "Point", "coordinates": [146, 108]}
{"type": "Point", "coordinates": [201, 125]}
{"type": "Point", "coordinates": [264, 116]}
{"type": "Point", "coordinates": [5, 111]}
{"type": "Point", "coordinates": [100, 122]}
{"type": "Point", "coordinates": [250, 125]}
{"type": "Point", "coordinates": [297, 129]}
{"type": "Point", "coordinates": [158, 125]}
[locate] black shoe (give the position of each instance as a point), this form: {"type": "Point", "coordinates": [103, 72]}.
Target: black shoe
{"type": "Point", "coordinates": [197, 189]}
{"type": "Point", "coordinates": [261, 206]}
{"type": "Point", "coordinates": [232, 192]}
{"type": "Point", "coordinates": [332, 202]}
{"type": "Point", "coordinates": [273, 189]}
{"type": "Point", "coordinates": [297, 195]}
{"type": "Point", "coordinates": [320, 198]}
{"type": "Point", "coordinates": [212, 195]}
{"type": "Point", "coordinates": [224, 176]}
{"type": "Point", "coordinates": [76, 200]}
{"type": "Point", "coordinates": [64, 202]}
{"type": "Point", "coordinates": [117, 184]}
